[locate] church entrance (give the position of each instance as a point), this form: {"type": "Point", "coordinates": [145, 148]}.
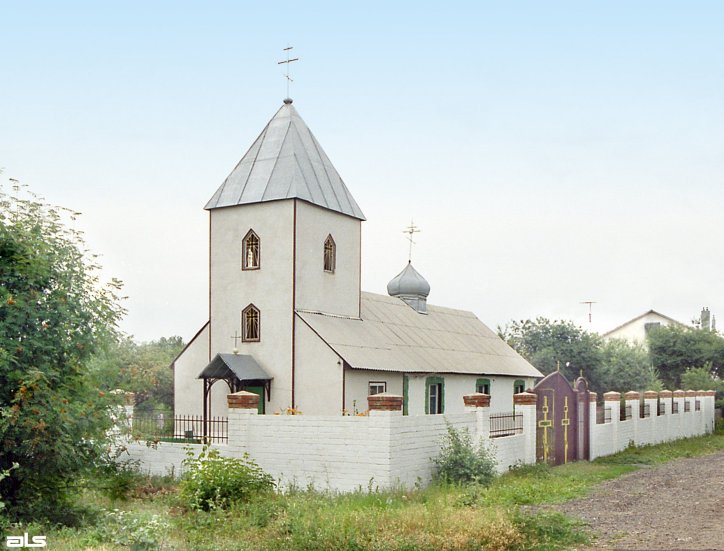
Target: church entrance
{"type": "Point", "coordinates": [258, 390]}
{"type": "Point", "coordinates": [562, 420]}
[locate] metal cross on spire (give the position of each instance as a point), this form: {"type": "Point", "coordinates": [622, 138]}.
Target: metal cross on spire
{"type": "Point", "coordinates": [236, 338]}
{"type": "Point", "coordinates": [410, 231]}
{"type": "Point", "coordinates": [288, 61]}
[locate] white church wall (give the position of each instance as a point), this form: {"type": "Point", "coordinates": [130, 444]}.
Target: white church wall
{"type": "Point", "coordinates": [186, 387]}
{"type": "Point", "coordinates": [458, 385]}
{"type": "Point", "coordinates": [318, 379]}
{"type": "Point", "coordinates": [356, 383]}
{"type": "Point", "coordinates": [317, 290]}
{"type": "Point", "coordinates": [268, 288]}
{"type": "Point", "coordinates": [502, 390]}
{"type": "Point", "coordinates": [416, 394]}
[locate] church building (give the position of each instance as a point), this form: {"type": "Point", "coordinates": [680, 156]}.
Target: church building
{"type": "Point", "coordinates": [288, 320]}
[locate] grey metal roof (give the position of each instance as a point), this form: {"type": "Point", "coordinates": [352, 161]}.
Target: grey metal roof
{"type": "Point", "coordinates": [391, 336]}
{"type": "Point", "coordinates": [243, 366]}
{"type": "Point", "coordinates": [286, 162]}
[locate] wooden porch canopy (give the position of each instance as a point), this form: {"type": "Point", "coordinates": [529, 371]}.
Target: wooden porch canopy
{"type": "Point", "coordinates": [237, 370]}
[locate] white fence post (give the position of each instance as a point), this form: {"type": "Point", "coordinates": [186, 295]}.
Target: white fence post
{"type": "Point", "coordinates": [525, 402]}
{"type": "Point", "coordinates": [612, 402]}
{"type": "Point", "coordinates": [242, 405]}
{"type": "Point", "coordinates": [479, 404]}
{"type": "Point", "coordinates": [631, 400]}
{"type": "Point", "coordinates": [679, 426]}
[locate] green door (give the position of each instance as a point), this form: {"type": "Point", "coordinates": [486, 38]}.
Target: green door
{"type": "Point", "coordinates": [260, 391]}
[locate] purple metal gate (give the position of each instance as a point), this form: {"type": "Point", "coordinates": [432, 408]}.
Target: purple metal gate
{"type": "Point", "coordinates": [562, 424]}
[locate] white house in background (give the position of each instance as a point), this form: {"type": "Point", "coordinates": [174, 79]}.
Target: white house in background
{"type": "Point", "coordinates": [287, 318]}
{"type": "Point", "coordinates": [636, 329]}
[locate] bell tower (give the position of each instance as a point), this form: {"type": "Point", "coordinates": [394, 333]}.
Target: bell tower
{"type": "Point", "coordinates": [284, 236]}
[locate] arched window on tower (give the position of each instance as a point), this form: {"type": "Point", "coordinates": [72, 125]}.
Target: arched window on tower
{"type": "Point", "coordinates": [250, 252]}
{"type": "Point", "coordinates": [330, 254]}
{"type": "Point", "coordinates": [250, 324]}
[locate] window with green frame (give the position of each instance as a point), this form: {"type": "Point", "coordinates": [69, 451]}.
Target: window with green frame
{"type": "Point", "coordinates": [483, 386]}
{"type": "Point", "coordinates": [518, 386]}
{"type": "Point", "coordinates": [405, 393]}
{"type": "Point", "coordinates": [434, 395]}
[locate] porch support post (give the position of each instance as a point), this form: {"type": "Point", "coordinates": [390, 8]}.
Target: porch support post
{"type": "Point", "coordinates": [205, 421]}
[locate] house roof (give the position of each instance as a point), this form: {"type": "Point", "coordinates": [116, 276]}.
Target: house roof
{"type": "Point", "coordinates": [286, 162]}
{"type": "Point", "coordinates": [241, 366]}
{"type": "Point", "coordinates": [392, 336]}
{"type": "Point", "coordinates": [647, 313]}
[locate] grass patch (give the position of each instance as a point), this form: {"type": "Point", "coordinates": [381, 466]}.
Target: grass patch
{"type": "Point", "coordinates": [668, 451]}
{"type": "Point", "coordinates": [446, 517]}
{"type": "Point", "coordinates": [547, 531]}
{"type": "Point", "coordinates": [543, 484]}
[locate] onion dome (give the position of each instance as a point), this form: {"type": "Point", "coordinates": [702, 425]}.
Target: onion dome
{"type": "Point", "coordinates": [411, 287]}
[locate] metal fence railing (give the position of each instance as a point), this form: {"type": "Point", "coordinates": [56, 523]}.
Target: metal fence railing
{"type": "Point", "coordinates": [674, 407]}
{"type": "Point", "coordinates": [506, 424]}
{"type": "Point", "coordinates": [645, 410]}
{"type": "Point", "coordinates": [179, 428]}
{"type": "Point", "coordinates": [626, 412]}
{"type": "Point", "coordinates": [697, 405]}
{"type": "Point", "coordinates": [662, 408]}
{"type": "Point", "coordinates": [603, 415]}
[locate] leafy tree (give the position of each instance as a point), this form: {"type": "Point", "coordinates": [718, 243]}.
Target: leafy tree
{"type": "Point", "coordinates": [701, 378]}
{"type": "Point", "coordinates": [54, 314]}
{"type": "Point", "coordinates": [675, 349]}
{"type": "Point", "coordinates": [624, 367]}
{"type": "Point", "coordinates": [546, 344]}
{"type": "Point", "coordinates": [140, 368]}
{"type": "Point", "coordinates": [607, 365]}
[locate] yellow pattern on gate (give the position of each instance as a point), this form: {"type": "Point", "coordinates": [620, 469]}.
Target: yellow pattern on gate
{"type": "Point", "coordinates": [565, 423]}
{"type": "Point", "coordinates": [545, 424]}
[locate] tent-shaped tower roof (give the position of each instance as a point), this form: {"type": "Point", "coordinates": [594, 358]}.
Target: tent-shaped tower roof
{"type": "Point", "coordinates": [286, 162]}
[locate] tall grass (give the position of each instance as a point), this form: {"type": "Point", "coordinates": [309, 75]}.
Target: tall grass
{"type": "Point", "coordinates": [446, 517]}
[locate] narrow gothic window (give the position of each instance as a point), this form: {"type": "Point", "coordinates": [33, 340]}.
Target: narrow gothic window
{"type": "Point", "coordinates": [330, 254]}
{"type": "Point", "coordinates": [250, 252]}
{"type": "Point", "coordinates": [250, 324]}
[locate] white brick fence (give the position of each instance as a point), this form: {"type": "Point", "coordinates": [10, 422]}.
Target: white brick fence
{"type": "Point", "coordinates": [682, 414]}
{"type": "Point", "coordinates": [383, 449]}
{"type": "Point", "coordinates": [386, 449]}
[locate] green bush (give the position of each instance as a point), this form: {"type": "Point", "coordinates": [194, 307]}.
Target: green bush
{"type": "Point", "coordinates": [116, 480]}
{"type": "Point", "coordinates": [463, 462]}
{"type": "Point", "coordinates": [212, 481]}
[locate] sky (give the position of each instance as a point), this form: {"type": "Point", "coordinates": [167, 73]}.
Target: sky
{"type": "Point", "coordinates": [551, 152]}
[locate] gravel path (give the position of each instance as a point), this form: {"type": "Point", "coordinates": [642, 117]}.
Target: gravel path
{"type": "Point", "coordinates": [678, 505]}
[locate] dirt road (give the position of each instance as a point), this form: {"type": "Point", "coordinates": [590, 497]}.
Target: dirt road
{"type": "Point", "coordinates": [675, 506]}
